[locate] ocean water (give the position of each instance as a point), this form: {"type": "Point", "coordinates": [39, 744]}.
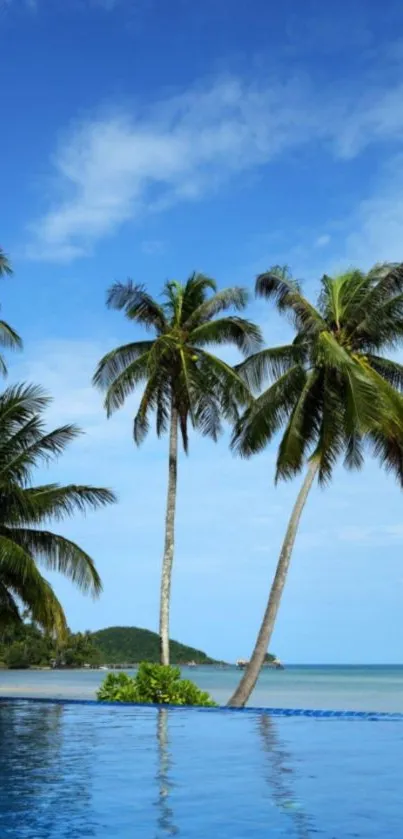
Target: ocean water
{"type": "Point", "coordinates": [340, 688]}
{"type": "Point", "coordinates": [96, 772]}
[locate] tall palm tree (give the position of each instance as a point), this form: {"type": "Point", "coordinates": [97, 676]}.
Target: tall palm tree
{"type": "Point", "coordinates": [25, 509]}
{"type": "Point", "coordinates": [8, 337]}
{"type": "Point", "coordinates": [333, 392]}
{"type": "Point", "coordinates": [183, 381]}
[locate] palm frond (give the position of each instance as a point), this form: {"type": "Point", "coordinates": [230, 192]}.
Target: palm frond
{"type": "Point", "coordinates": [52, 501]}
{"type": "Point", "coordinates": [229, 298]}
{"type": "Point", "coordinates": [29, 447]}
{"type": "Point", "coordinates": [125, 383]}
{"type": "Point", "coordinates": [270, 363]}
{"type": "Point", "coordinates": [267, 414]}
{"type": "Point", "coordinates": [9, 338]}
{"type": "Point", "coordinates": [331, 439]}
{"type": "Point", "coordinates": [302, 428]}
{"type": "Point", "coordinates": [18, 404]}
{"type": "Point", "coordinates": [388, 448]}
{"type": "Point", "coordinates": [9, 612]}
{"type": "Point", "coordinates": [148, 403]}
{"type": "Point", "coordinates": [5, 267]}
{"type": "Point", "coordinates": [59, 554]}
{"type": "Point", "coordinates": [19, 574]}
{"type": "Point", "coordinates": [194, 293]}
{"type": "Point", "coordinates": [117, 361]}
{"type": "Point", "coordinates": [225, 383]}
{"type": "Point", "coordinates": [390, 370]}
{"type": "Point", "coordinates": [241, 333]}
{"type": "Point", "coordinates": [279, 286]}
{"type": "Point", "coordinates": [381, 327]}
{"type": "Point", "coordinates": [137, 305]}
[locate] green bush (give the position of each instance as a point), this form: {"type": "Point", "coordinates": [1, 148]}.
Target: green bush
{"type": "Point", "coordinates": [17, 656]}
{"type": "Point", "coordinates": [154, 684]}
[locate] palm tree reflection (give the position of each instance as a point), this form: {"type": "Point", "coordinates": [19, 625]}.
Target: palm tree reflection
{"type": "Point", "coordinates": [280, 777]}
{"type": "Point", "coordinates": [165, 813]}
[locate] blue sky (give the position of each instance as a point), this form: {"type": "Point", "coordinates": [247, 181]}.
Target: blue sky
{"type": "Point", "coordinates": [148, 139]}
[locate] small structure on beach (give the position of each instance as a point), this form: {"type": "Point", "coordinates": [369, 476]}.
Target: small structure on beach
{"type": "Point", "coordinates": [270, 661]}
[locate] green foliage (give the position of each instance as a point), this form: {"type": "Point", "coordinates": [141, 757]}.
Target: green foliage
{"type": "Point", "coordinates": [154, 684]}
{"type": "Point", "coordinates": [175, 368]}
{"type": "Point", "coordinates": [116, 645]}
{"type": "Point", "coordinates": [26, 510]}
{"type": "Point", "coordinates": [17, 657]}
{"type": "Point", "coordinates": [331, 390]}
{"type": "Point", "coordinates": [27, 645]}
{"type": "Point", "coordinates": [129, 645]}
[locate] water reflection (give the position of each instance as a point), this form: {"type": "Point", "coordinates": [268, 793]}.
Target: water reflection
{"type": "Point", "coordinates": [280, 776]}
{"type": "Point", "coordinates": [165, 785]}
{"type": "Point", "coordinates": [44, 777]}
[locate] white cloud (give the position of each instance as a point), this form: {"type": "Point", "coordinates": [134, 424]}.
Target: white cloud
{"type": "Point", "coordinates": [111, 169]}
{"type": "Point", "coordinates": [322, 241]}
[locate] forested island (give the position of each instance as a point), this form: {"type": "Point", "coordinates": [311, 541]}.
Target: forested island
{"type": "Point", "coordinates": [25, 645]}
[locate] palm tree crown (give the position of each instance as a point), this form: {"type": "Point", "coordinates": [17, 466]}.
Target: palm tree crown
{"type": "Point", "coordinates": [333, 388]}
{"type": "Point", "coordinates": [176, 367]}
{"type": "Point", "coordinates": [25, 509]}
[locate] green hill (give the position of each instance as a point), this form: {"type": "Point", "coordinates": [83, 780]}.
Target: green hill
{"type": "Point", "coordinates": [129, 645]}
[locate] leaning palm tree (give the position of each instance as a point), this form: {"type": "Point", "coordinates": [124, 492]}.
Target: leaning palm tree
{"type": "Point", "coordinates": [25, 509]}
{"type": "Point", "coordinates": [183, 381]}
{"type": "Point", "coordinates": [333, 392]}
{"type": "Point", "coordinates": [8, 337]}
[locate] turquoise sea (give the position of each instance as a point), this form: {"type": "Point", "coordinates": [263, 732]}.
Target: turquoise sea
{"type": "Point", "coordinates": [366, 688]}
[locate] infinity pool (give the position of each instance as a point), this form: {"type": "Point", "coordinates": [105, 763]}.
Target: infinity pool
{"type": "Point", "coordinates": [118, 772]}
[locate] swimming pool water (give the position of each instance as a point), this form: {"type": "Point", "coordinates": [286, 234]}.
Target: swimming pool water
{"type": "Point", "coordinates": [96, 771]}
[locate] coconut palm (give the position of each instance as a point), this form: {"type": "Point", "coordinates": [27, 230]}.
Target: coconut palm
{"type": "Point", "coordinates": [333, 392]}
{"type": "Point", "coordinates": [8, 337]}
{"type": "Point", "coordinates": [25, 509]}
{"type": "Point", "coordinates": [183, 381]}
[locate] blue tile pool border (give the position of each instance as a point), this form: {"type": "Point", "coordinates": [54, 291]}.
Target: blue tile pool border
{"type": "Point", "coordinates": [372, 716]}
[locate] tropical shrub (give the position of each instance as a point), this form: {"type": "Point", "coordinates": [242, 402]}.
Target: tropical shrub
{"type": "Point", "coordinates": [154, 684]}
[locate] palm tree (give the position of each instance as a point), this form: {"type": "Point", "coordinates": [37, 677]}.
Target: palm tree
{"type": "Point", "coordinates": [182, 381]}
{"type": "Point", "coordinates": [333, 391]}
{"type": "Point", "coordinates": [8, 337]}
{"type": "Point", "coordinates": [25, 509]}
{"type": "Point", "coordinates": [5, 267]}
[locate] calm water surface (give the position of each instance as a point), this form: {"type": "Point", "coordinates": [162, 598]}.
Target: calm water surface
{"type": "Point", "coordinates": [341, 688]}
{"type": "Point", "coordinates": [74, 772]}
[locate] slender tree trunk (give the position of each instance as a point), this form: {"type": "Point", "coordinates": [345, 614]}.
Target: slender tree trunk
{"type": "Point", "coordinates": [169, 539]}
{"type": "Point", "coordinates": [251, 674]}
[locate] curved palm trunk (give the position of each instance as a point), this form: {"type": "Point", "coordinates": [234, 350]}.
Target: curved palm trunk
{"type": "Point", "coordinates": [250, 677]}
{"type": "Point", "coordinates": [169, 539]}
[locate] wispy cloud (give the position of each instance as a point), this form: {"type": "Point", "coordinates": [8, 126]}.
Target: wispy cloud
{"type": "Point", "coordinates": [113, 168]}
{"type": "Point", "coordinates": [322, 241]}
